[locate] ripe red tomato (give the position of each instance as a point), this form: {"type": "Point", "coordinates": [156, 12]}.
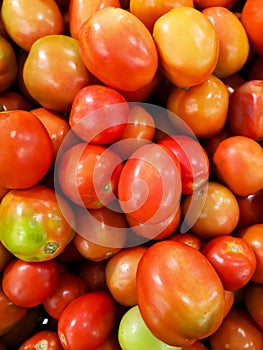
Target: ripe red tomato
{"type": "Point", "coordinates": [25, 148]}
{"type": "Point", "coordinates": [100, 37]}
{"type": "Point", "coordinates": [188, 238]}
{"type": "Point", "coordinates": [98, 114]}
{"type": "Point", "coordinates": [167, 275]}
{"type": "Point", "coordinates": [87, 321]}
{"type": "Point", "coordinates": [20, 276]}
{"type": "Point", "coordinates": [14, 100]}
{"type": "Point", "coordinates": [8, 64]}
{"type": "Point", "coordinates": [235, 153]}
{"type": "Point", "coordinates": [250, 208]}
{"type": "Point", "coordinates": [201, 4]}
{"type": "Point", "coordinates": [254, 302]}
{"type": "Point", "coordinates": [233, 259]}
{"type": "Point", "coordinates": [44, 339]}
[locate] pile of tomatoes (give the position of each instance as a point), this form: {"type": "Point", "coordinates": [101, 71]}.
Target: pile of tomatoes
{"type": "Point", "coordinates": [131, 177]}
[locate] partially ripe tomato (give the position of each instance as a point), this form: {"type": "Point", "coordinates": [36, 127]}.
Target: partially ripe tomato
{"type": "Point", "coordinates": [8, 64]}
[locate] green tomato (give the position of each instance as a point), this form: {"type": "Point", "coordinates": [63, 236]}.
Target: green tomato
{"type": "Point", "coordinates": [133, 334]}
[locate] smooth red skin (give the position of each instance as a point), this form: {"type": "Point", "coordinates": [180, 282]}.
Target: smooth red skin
{"type": "Point", "coordinates": [98, 114]}
{"type": "Point", "coordinates": [250, 208]}
{"type": "Point", "coordinates": [194, 162]}
{"type": "Point", "coordinates": [245, 110]}
{"type": "Point", "coordinates": [80, 11]}
{"type": "Point", "coordinates": [30, 136]}
{"type": "Point", "coordinates": [69, 287]}
{"type": "Point", "coordinates": [188, 238]}
{"type": "Point", "coordinates": [233, 259]}
{"type": "Point", "coordinates": [48, 338]}
{"type": "Point", "coordinates": [87, 321]}
{"type": "Point", "coordinates": [163, 299]}
{"type": "Point", "coordinates": [236, 331]}
{"type": "Point", "coordinates": [20, 276]}
{"type": "Point", "coordinates": [254, 302]}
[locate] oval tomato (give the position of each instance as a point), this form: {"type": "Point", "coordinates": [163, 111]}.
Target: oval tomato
{"type": "Point", "coordinates": [170, 309]}
{"type": "Point", "coordinates": [100, 37]}
{"type": "Point", "coordinates": [250, 208]}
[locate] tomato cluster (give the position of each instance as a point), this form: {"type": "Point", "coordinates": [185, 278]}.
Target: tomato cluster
{"type": "Point", "coordinates": [131, 178]}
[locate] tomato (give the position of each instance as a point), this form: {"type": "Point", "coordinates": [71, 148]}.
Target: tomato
{"type": "Point", "coordinates": [8, 64]}
{"type": "Point", "coordinates": [69, 287]}
{"type": "Point", "coordinates": [80, 11]}
{"type": "Point", "coordinates": [201, 4]}
{"type": "Point", "coordinates": [134, 334]}
{"type": "Point", "coordinates": [100, 37]}
{"type": "Point", "coordinates": [237, 331]}
{"type": "Point", "coordinates": [121, 274]}
{"type": "Point", "coordinates": [163, 299]}
{"type": "Point", "coordinates": [25, 23]}
{"type": "Point", "coordinates": [42, 339]}
{"type": "Point", "coordinates": [188, 238]}
{"type": "Point", "coordinates": [251, 18]}
{"type": "Point", "coordinates": [250, 208]}
{"type": "Point", "coordinates": [19, 276]}
{"type": "Point", "coordinates": [149, 11]}
{"type": "Point", "coordinates": [194, 162]}
{"type": "Point", "coordinates": [98, 114]}
{"type": "Point", "coordinates": [235, 153]}
{"type": "Point", "coordinates": [197, 345]}
{"type": "Point", "coordinates": [87, 321]}
{"type": "Point", "coordinates": [32, 223]}
{"type": "Point", "coordinates": [254, 302]}
{"type": "Point", "coordinates": [219, 214]}
{"type": "Point", "coordinates": [253, 236]}
{"type": "Point", "coordinates": [245, 106]}
{"type": "Point", "coordinates": [93, 273]}
{"type": "Point", "coordinates": [149, 168]}
{"type": "Point", "coordinates": [5, 257]}
{"type": "Point", "coordinates": [52, 84]}
{"type": "Point", "coordinates": [14, 100]}
{"type": "Point", "coordinates": [233, 259]}
{"type": "Point", "coordinates": [210, 99]}
{"type": "Point", "coordinates": [187, 45]}
{"type": "Point", "coordinates": [234, 46]}
{"type": "Point", "coordinates": [26, 148]}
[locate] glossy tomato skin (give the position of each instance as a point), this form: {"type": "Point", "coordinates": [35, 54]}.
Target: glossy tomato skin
{"type": "Point", "coordinates": [8, 64]}
{"type": "Point", "coordinates": [87, 321]}
{"type": "Point", "coordinates": [52, 84]}
{"type": "Point", "coordinates": [163, 300]}
{"type": "Point", "coordinates": [235, 153]}
{"type": "Point", "coordinates": [98, 114]}
{"type": "Point", "coordinates": [19, 276]}
{"type": "Point", "coordinates": [245, 106]}
{"type": "Point", "coordinates": [22, 130]}
{"type": "Point", "coordinates": [128, 69]}
{"type": "Point", "coordinates": [45, 338]}
{"type": "Point", "coordinates": [35, 216]}
{"type": "Point", "coordinates": [233, 259]}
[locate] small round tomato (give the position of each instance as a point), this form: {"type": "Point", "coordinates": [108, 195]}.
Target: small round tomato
{"type": "Point", "coordinates": [210, 100]}
{"type": "Point", "coordinates": [254, 302]}
{"type": "Point", "coordinates": [44, 339]}
{"type": "Point", "coordinates": [25, 148]}
{"type": "Point", "coordinates": [162, 267]}
{"type": "Point", "coordinates": [235, 153]}
{"type": "Point", "coordinates": [98, 114]}
{"type": "Point", "coordinates": [233, 259]}
{"type": "Point", "coordinates": [32, 223]}
{"type": "Point", "coordinates": [19, 277]}
{"type": "Point", "coordinates": [100, 40]}
{"type": "Point", "coordinates": [197, 345]}
{"type": "Point", "coordinates": [87, 321]}
{"type": "Point", "coordinates": [187, 45]}
{"type": "Point", "coordinates": [8, 64]}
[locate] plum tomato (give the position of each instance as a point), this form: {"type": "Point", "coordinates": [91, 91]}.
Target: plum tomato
{"type": "Point", "coordinates": [87, 321]}
{"type": "Point", "coordinates": [43, 339]}
{"type": "Point", "coordinates": [100, 38]}
{"type": "Point", "coordinates": [32, 223]}
{"type": "Point", "coordinates": [233, 259]}
{"type": "Point", "coordinates": [8, 64]}
{"type": "Point", "coordinates": [187, 46]}
{"type": "Point", "coordinates": [170, 309]}
{"type": "Point", "coordinates": [26, 149]}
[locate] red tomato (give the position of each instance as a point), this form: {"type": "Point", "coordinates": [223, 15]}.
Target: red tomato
{"type": "Point", "coordinates": [53, 84]}
{"type": "Point", "coordinates": [93, 273]}
{"type": "Point", "coordinates": [250, 208]}
{"type": "Point", "coordinates": [168, 264]}
{"type": "Point", "coordinates": [8, 64]}
{"type": "Point", "coordinates": [144, 188]}
{"type": "Point", "coordinates": [25, 23]}
{"type": "Point", "coordinates": [245, 110]}
{"type": "Point", "coordinates": [88, 174]}
{"type": "Point", "coordinates": [237, 331]}
{"type": "Point", "coordinates": [44, 339]}
{"type": "Point", "coordinates": [233, 259]}
{"type": "Point", "coordinates": [14, 100]}
{"type": "Point", "coordinates": [20, 276]}
{"type": "Point", "coordinates": [98, 114]}
{"type": "Point", "coordinates": [194, 162]}
{"type": "Point", "coordinates": [100, 37]}
{"type": "Point", "coordinates": [26, 148]}
{"type": "Point", "coordinates": [254, 302]}
{"type": "Point", "coordinates": [80, 11]}
{"type": "Point", "coordinates": [235, 153]}
{"type": "Point", "coordinates": [87, 321]}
